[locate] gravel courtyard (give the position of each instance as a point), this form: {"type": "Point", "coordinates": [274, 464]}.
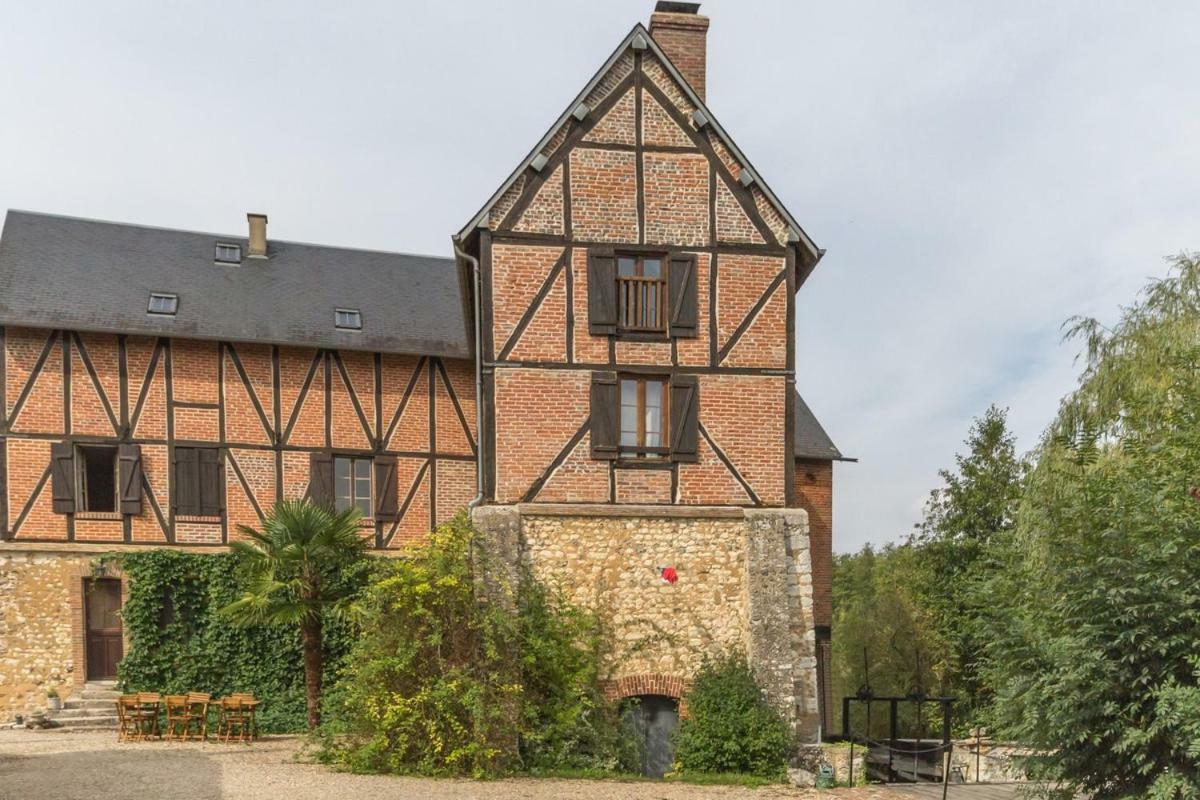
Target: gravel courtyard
{"type": "Point", "coordinates": [87, 766]}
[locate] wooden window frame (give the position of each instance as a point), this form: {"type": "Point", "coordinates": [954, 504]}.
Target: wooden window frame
{"type": "Point", "coordinates": [661, 331]}
{"type": "Point", "coordinates": [81, 493]}
{"type": "Point", "coordinates": [352, 458]}
{"type": "Point", "coordinates": [641, 452]}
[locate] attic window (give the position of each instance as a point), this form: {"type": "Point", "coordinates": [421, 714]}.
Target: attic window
{"type": "Point", "coordinates": [228, 253]}
{"type": "Point", "coordinates": [348, 319]}
{"type": "Point", "coordinates": [165, 304]}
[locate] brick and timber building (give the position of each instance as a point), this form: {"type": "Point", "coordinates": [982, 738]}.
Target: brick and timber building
{"type": "Point", "coordinates": [625, 303]}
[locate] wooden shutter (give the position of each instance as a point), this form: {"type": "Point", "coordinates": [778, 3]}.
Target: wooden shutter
{"type": "Point", "coordinates": [387, 504]}
{"type": "Point", "coordinates": [602, 292]}
{"type": "Point", "coordinates": [604, 413]}
{"type": "Point", "coordinates": [320, 479]}
{"type": "Point", "coordinates": [209, 482]}
{"type": "Point", "coordinates": [685, 418]}
{"type": "Point", "coordinates": [62, 477]}
{"type": "Point", "coordinates": [681, 289]}
{"type": "Point", "coordinates": [129, 475]}
{"type": "Point", "coordinates": [187, 481]}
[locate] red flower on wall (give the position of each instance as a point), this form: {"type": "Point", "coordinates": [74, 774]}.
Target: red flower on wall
{"type": "Point", "coordinates": [668, 574]}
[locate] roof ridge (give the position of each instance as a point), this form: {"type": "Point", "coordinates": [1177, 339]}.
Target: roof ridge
{"type": "Point", "coordinates": [231, 237]}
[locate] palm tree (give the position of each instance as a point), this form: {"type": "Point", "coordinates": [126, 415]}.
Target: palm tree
{"type": "Point", "coordinates": [288, 565]}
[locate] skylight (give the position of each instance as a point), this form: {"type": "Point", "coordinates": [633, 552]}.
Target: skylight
{"type": "Point", "coordinates": [163, 304]}
{"type": "Point", "coordinates": [228, 253]}
{"type": "Point", "coordinates": [347, 319]}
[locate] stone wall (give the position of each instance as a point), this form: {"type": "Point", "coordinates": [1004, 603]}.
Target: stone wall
{"type": "Point", "coordinates": [743, 585]}
{"type": "Point", "coordinates": [41, 627]}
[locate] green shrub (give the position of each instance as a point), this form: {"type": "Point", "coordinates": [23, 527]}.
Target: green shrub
{"type": "Point", "coordinates": [448, 680]}
{"type": "Point", "coordinates": [179, 644]}
{"type": "Point", "coordinates": [730, 727]}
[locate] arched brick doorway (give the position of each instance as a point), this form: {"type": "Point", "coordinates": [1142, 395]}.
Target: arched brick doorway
{"type": "Point", "coordinates": [651, 707]}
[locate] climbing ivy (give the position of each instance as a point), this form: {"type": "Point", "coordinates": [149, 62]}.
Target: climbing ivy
{"type": "Point", "coordinates": [178, 643]}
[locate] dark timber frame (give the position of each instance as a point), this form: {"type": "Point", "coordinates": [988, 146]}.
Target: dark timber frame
{"type": "Point", "coordinates": [788, 279]}
{"type": "Point", "coordinates": [278, 425]}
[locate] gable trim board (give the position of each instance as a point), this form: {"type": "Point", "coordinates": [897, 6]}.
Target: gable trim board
{"type": "Point", "coordinates": [812, 254]}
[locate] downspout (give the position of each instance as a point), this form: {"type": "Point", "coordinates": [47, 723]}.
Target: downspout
{"type": "Point", "coordinates": [476, 290]}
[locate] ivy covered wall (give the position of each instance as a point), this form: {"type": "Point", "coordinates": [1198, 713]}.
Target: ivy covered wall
{"type": "Point", "coordinates": [178, 643]}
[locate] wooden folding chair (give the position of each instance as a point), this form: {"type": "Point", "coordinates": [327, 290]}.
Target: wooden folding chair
{"type": "Point", "coordinates": [147, 714]}
{"type": "Point", "coordinates": [252, 705]}
{"type": "Point", "coordinates": [177, 719]}
{"type": "Point", "coordinates": [236, 719]}
{"type": "Point", "coordinates": [127, 728]}
{"type": "Point", "coordinates": [197, 715]}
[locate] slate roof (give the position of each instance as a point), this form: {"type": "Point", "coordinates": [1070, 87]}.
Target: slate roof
{"type": "Point", "coordinates": [811, 441]}
{"type": "Point", "coordinates": [66, 272]}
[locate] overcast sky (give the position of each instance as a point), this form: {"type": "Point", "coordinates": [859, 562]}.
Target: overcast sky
{"type": "Point", "coordinates": [977, 171]}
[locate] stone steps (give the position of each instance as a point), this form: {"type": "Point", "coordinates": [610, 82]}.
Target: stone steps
{"type": "Point", "coordinates": [72, 723]}
{"type": "Point", "coordinates": [94, 707]}
{"type": "Point", "coordinates": [67, 712]}
{"type": "Point", "coordinates": [74, 703]}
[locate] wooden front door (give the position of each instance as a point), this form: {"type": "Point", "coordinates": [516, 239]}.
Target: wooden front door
{"type": "Point", "coordinates": [102, 614]}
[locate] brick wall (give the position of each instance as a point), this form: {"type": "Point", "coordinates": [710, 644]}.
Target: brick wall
{"type": "Point", "coordinates": [268, 408]}
{"type": "Point", "coordinates": [636, 174]}
{"type": "Point", "coordinates": [814, 493]}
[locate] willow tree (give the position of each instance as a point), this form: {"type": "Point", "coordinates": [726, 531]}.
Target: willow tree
{"type": "Point", "coordinates": [1095, 649]}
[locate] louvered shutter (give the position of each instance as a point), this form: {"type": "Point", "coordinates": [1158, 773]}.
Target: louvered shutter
{"type": "Point", "coordinates": [604, 415]}
{"type": "Point", "coordinates": [387, 505]}
{"type": "Point", "coordinates": [187, 481]}
{"type": "Point", "coordinates": [681, 289]}
{"type": "Point", "coordinates": [602, 292]}
{"type": "Point", "coordinates": [320, 479]}
{"type": "Point", "coordinates": [62, 477]}
{"type": "Point", "coordinates": [129, 475]}
{"type": "Point", "coordinates": [210, 481]}
{"type": "Point", "coordinates": [685, 418]}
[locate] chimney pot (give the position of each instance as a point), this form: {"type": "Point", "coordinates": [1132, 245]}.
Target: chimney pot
{"type": "Point", "coordinates": [682, 33]}
{"type": "Point", "coordinates": [258, 235]}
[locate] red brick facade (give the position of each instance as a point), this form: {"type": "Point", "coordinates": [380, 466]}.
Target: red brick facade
{"type": "Point", "coordinates": [636, 175]}
{"type": "Point", "coordinates": [266, 408]}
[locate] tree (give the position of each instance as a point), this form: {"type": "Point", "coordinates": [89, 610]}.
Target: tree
{"type": "Point", "coordinates": [977, 504]}
{"type": "Point", "coordinates": [1097, 604]}
{"type": "Point", "coordinates": [288, 569]}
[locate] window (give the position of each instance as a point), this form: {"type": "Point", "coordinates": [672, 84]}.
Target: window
{"type": "Point", "coordinates": [643, 417]}
{"type": "Point", "coordinates": [349, 319]}
{"type": "Point", "coordinates": [198, 482]}
{"type": "Point", "coordinates": [352, 484]}
{"type": "Point", "coordinates": [641, 294]}
{"type": "Point", "coordinates": [162, 303]}
{"type": "Point", "coordinates": [228, 253]}
{"type": "Point", "coordinates": [96, 478]}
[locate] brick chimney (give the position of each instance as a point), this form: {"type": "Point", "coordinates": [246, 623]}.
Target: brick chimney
{"type": "Point", "coordinates": [258, 235]}
{"type": "Point", "coordinates": [682, 33]}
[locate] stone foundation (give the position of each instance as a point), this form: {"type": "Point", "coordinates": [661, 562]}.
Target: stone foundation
{"type": "Point", "coordinates": [744, 584]}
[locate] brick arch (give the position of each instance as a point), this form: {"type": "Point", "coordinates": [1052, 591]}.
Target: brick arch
{"type": "Point", "coordinates": [650, 683]}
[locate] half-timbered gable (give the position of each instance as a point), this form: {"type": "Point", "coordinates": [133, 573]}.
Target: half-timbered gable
{"type": "Point", "coordinates": [637, 244]}
{"type": "Point", "coordinates": [179, 438]}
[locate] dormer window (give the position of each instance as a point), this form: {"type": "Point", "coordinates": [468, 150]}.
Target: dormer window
{"type": "Point", "coordinates": [228, 253]}
{"type": "Point", "coordinates": [347, 319]}
{"type": "Point", "coordinates": [163, 304]}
